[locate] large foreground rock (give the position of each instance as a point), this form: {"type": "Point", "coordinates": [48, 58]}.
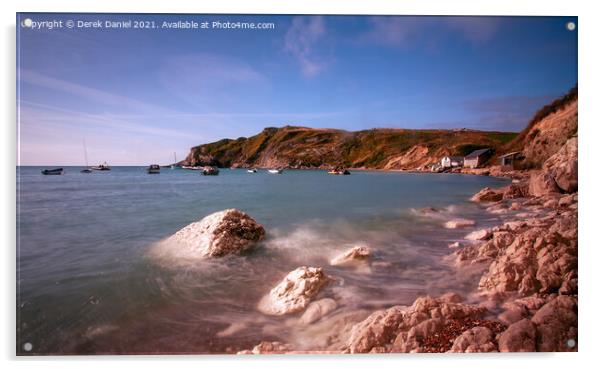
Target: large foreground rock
{"type": "Point", "coordinates": [542, 183]}
{"type": "Point", "coordinates": [488, 195]}
{"type": "Point", "coordinates": [222, 233]}
{"type": "Point", "coordinates": [294, 292]}
{"type": "Point", "coordinates": [477, 339]}
{"type": "Point", "coordinates": [562, 166]}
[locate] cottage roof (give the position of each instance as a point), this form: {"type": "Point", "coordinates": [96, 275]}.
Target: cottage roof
{"type": "Point", "coordinates": [510, 154]}
{"type": "Point", "coordinates": [454, 158]}
{"type": "Point", "coordinates": [477, 153]}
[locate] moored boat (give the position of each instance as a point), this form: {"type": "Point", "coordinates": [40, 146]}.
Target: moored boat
{"type": "Point", "coordinates": [275, 171]}
{"type": "Point", "coordinates": [53, 172]}
{"type": "Point", "coordinates": [154, 169]}
{"type": "Point", "coordinates": [210, 171]}
{"type": "Point", "coordinates": [102, 167]}
{"type": "Point", "coordinates": [339, 172]}
{"type": "Point", "coordinates": [252, 170]}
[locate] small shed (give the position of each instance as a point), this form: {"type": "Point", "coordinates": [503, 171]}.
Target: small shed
{"type": "Point", "coordinates": [476, 158]}
{"type": "Point", "coordinates": [509, 160]}
{"type": "Point", "coordinates": [452, 161]}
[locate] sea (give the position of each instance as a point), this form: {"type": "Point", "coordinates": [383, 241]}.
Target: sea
{"type": "Point", "coordinates": [88, 283]}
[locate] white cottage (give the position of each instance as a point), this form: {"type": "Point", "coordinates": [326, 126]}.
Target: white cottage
{"type": "Point", "coordinates": [452, 161]}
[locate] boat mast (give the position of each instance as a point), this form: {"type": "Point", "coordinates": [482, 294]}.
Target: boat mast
{"type": "Point", "coordinates": [86, 153]}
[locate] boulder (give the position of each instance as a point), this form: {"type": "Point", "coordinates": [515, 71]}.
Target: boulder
{"type": "Point", "coordinates": [488, 195]}
{"type": "Point", "coordinates": [477, 339]}
{"type": "Point", "coordinates": [222, 233]}
{"type": "Point", "coordinates": [294, 292]}
{"type": "Point", "coordinates": [458, 223]}
{"type": "Point", "coordinates": [519, 337]}
{"type": "Point", "coordinates": [562, 166]}
{"type": "Point", "coordinates": [354, 254]}
{"type": "Point", "coordinates": [542, 183]}
{"type": "Point", "coordinates": [317, 309]}
{"type": "Point", "coordinates": [556, 324]}
{"type": "Point", "coordinates": [516, 190]}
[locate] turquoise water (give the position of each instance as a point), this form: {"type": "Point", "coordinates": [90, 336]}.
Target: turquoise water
{"type": "Point", "coordinates": [86, 282]}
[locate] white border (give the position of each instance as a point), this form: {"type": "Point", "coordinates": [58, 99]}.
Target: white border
{"type": "Point", "coordinates": [590, 134]}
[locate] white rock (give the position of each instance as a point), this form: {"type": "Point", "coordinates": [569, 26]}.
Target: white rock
{"type": "Point", "coordinates": [480, 235]}
{"type": "Point", "coordinates": [294, 292]}
{"type": "Point", "coordinates": [225, 232]}
{"type": "Point", "coordinates": [354, 254]}
{"type": "Point", "coordinates": [458, 223]}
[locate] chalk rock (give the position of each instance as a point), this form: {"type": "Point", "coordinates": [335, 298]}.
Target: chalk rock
{"type": "Point", "coordinates": [458, 223]}
{"type": "Point", "coordinates": [354, 254]}
{"type": "Point", "coordinates": [294, 292]}
{"type": "Point", "coordinates": [226, 232]}
{"type": "Point", "coordinates": [556, 323]}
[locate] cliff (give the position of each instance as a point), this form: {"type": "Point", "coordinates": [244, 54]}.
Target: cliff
{"type": "Point", "coordinates": [302, 147]}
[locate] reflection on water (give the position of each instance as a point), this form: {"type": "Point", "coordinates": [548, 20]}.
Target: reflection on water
{"type": "Point", "coordinates": [88, 281]}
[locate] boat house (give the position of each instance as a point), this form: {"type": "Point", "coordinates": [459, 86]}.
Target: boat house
{"type": "Point", "coordinates": [452, 161]}
{"type": "Point", "coordinates": [477, 158]}
{"type": "Point", "coordinates": [509, 161]}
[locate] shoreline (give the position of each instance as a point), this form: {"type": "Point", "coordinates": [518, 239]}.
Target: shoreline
{"type": "Point", "coordinates": [526, 296]}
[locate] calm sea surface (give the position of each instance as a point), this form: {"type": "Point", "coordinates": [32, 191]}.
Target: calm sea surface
{"type": "Point", "coordinates": [87, 282]}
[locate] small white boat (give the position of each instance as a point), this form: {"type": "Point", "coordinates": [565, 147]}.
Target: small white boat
{"type": "Point", "coordinates": [154, 169]}
{"type": "Point", "coordinates": [101, 167]}
{"type": "Point", "coordinates": [252, 170]}
{"type": "Point", "coordinates": [210, 171]}
{"type": "Point", "coordinates": [275, 171]}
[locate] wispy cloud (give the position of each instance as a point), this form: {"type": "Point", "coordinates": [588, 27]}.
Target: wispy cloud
{"type": "Point", "coordinates": [209, 80]}
{"type": "Point", "coordinates": [300, 41]}
{"type": "Point", "coordinates": [408, 31]}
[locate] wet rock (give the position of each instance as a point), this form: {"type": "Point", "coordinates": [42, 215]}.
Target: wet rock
{"type": "Point", "coordinates": [480, 235]}
{"type": "Point", "coordinates": [477, 339]}
{"type": "Point", "coordinates": [294, 292]}
{"type": "Point", "coordinates": [542, 184]}
{"type": "Point", "coordinates": [459, 223]}
{"type": "Point", "coordinates": [519, 337]}
{"type": "Point", "coordinates": [222, 233]}
{"type": "Point", "coordinates": [317, 309]}
{"type": "Point", "coordinates": [562, 166]}
{"type": "Point", "coordinates": [488, 195]}
{"type": "Point", "coordinates": [354, 254]}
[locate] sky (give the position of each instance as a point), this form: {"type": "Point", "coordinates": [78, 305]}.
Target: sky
{"type": "Point", "coordinates": [136, 96]}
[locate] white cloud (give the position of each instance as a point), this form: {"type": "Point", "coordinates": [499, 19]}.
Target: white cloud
{"type": "Point", "coordinates": [300, 41]}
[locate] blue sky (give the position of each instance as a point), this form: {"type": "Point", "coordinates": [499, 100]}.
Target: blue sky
{"type": "Point", "coordinates": [137, 96]}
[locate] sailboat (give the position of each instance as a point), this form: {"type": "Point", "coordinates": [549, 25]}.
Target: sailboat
{"type": "Point", "coordinates": [87, 170]}
{"type": "Point", "coordinates": [173, 166]}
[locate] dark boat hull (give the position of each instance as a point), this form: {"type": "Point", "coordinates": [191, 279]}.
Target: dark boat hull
{"type": "Point", "coordinates": [53, 172]}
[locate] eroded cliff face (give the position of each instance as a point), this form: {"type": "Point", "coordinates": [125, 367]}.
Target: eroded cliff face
{"type": "Point", "coordinates": [548, 130]}
{"type": "Point", "coordinates": [302, 147]}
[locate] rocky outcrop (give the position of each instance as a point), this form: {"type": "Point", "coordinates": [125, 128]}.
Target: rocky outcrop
{"type": "Point", "coordinates": [403, 329]}
{"type": "Point", "coordinates": [222, 233]}
{"type": "Point", "coordinates": [267, 347]}
{"type": "Point", "coordinates": [562, 166]}
{"type": "Point", "coordinates": [542, 184]}
{"type": "Point", "coordinates": [477, 339]}
{"type": "Point", "coordinates": [294, 292]}
{"type": "Point", "coordinates": [353, 255]}
{"type": "Point", "coordinates": [488, 195]}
